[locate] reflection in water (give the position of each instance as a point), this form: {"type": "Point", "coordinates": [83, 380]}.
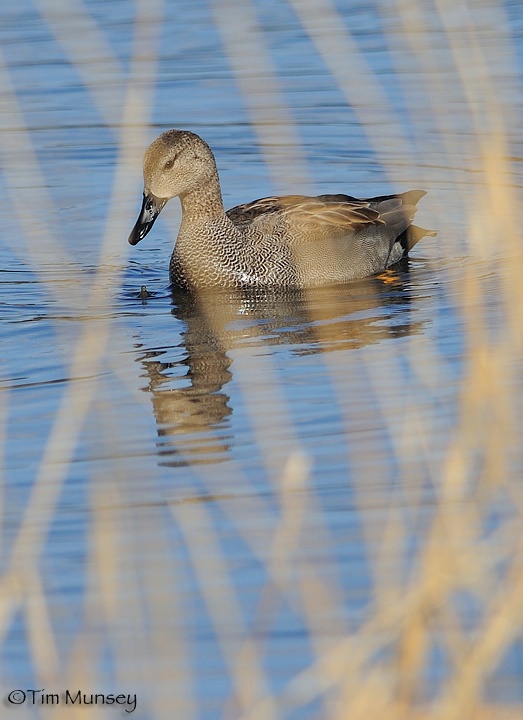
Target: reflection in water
{"type": "Point", "coordinates": [192, 409]}
{"type": "Point", "coordinates": [191, 406]}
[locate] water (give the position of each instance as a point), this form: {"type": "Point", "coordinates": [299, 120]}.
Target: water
{"type": "Point", "coordinates": [193, 474]}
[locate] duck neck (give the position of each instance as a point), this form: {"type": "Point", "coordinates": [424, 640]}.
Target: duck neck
{"type": "Point", "coordinates": [204, 204]}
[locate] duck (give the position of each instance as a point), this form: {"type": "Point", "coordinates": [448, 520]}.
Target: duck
{"type": "Point", "coordinates": [289, 241]}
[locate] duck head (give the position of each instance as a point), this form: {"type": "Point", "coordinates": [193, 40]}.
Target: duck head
{"type": "Point", "coordinates": [177, 163]}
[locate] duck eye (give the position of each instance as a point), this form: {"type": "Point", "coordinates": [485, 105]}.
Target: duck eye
{"type": "Point", "coordinates": [168, 165]}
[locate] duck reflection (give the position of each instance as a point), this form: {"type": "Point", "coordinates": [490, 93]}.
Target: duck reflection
{"type": "Point", "coordinates": [190, 399]}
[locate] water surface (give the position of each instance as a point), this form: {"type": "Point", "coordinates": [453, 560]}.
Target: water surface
{"type": "Point", "coordinates": [204, 466]}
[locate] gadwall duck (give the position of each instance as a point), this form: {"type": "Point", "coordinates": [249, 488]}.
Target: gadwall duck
{"type": "Point", "coordinates": [289, 241]}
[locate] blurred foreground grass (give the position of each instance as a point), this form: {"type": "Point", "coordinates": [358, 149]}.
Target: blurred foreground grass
{"type": "Point", "coordinates": [459, 594]}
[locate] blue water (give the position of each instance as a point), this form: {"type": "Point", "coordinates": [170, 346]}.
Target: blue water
{"type": "Point", "coordinates": [157, 531]}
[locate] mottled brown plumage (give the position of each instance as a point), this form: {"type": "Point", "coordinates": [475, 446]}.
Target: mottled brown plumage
{"type": "Point", "coordinates": [289, 241]}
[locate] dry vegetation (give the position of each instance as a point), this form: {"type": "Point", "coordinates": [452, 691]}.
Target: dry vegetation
{"type": "Point", "coordinates": [462, 560]}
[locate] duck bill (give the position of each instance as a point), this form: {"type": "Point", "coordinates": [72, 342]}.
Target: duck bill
{"type": "Point", "coordinates": [151, 208]}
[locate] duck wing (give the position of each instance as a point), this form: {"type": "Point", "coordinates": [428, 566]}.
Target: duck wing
{"type": "Point", "coordinates": [321, 210]}
{"type": "Point", "coordinates": [341, 212]}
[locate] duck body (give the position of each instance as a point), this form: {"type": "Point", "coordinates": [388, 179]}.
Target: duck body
{"type": "Point", "coordinates": [287, 241]}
